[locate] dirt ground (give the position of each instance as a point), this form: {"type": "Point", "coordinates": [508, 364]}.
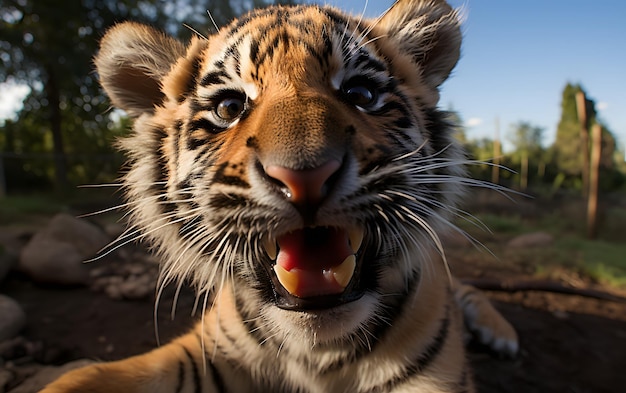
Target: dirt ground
{"type": "Point", "coordinates": [569, 343]}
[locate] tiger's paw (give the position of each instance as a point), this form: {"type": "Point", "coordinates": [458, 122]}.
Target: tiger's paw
{"type": "Point", "coordinates": [485, 323]}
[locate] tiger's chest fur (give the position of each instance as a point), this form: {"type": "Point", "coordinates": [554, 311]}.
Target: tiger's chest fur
{"type": "Point", "coordinates": [296, 169]}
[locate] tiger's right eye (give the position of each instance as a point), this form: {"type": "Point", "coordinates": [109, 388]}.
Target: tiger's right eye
{"type": "Point", "coordinates": [360, 91]}
{"type": "Point", "coordinates": [230, 108]}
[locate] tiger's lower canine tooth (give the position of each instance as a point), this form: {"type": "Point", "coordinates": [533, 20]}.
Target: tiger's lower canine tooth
{"type": "Point", "coordinates": [287, 279]}
{"type": "Point", "coordinates": [356, 238]}
{"type": "Point", "coordinates": [270, 248]}
{"type": "Point", "coordinates": [344, 272]}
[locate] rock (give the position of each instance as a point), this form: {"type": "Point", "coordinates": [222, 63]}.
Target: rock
{"type": "Point", "coordinates": [86, 237]}
{"type": "Point", "coordinates": [7, 262]}
{"type": "Point", "coordinates": [137, 287]}
{"type": "Point", "coordinates": [46, 375]}
{"type": "Point", "coordinates": [115, 230]}
{"type": "Point", "coordinates": [56, 254]}
{"type": "Point", "coordinates": [535, 239]}
{"type": "Point", "coordinates": [13, 318]}
{"type": "Point", "coordinates": [49, 261]}
{"type": "Point", "coordinates": [6, 377]}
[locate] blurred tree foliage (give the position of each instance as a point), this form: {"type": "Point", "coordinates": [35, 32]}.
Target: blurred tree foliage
{"type": "Point", "coordinates": [64, 132]}
{"type": "Point", "coordinates": [567, 149]}
{"type": "Point", "coordinates": [526, 139]}
{"type": "Point", "coordinates": [559, 165]}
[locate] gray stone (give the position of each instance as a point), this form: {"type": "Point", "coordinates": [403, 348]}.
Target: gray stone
{"type": "Point", "coordinates": [13, 318]}
{"type": "Point", "coordinates": [57, 253]}
{"type": "Point", "coordinates": [47, 375]}
{"type": "Point", "coordinates": [49, 261]}
{"type": "Point", "coordinates": [86, 237]}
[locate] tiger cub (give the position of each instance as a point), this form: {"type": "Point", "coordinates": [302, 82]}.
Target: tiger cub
{"type": "Point", "coordinates": [295, 167]}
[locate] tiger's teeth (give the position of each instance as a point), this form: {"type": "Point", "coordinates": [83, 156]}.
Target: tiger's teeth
{"type": "Point", "coordinates": [270, 248]}
{"type": "Point", "coordinates": [356, 238]}
{"type": "Point", "coordinates": [344, 272]}
{"type": "Point", "coordinates": [287, 279]}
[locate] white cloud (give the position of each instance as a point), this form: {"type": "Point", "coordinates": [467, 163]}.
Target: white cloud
{"type": "Point", "coordinates": [473, 122]}
{"type": "Point", "coordinates": [602, 105]}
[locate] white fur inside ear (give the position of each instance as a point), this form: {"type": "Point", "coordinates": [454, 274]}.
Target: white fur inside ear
{"type": "Point", "coordinates": [429, 32]}
{"type": "Point", "coordinates": [132, 62]}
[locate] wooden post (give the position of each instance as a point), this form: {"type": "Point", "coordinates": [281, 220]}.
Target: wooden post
{"type": "Point", "coordinates": [497, 152]}
{"type": "Point", "coordinates": [581, 107]}
{"type": "Point", "coordinates": [524, 172]}
{"type": "Point", "coordinates": [594, 177]}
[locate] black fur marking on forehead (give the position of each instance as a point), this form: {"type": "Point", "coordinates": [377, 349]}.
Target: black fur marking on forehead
{"type": "Point", "coordinates": [192, 81]}
{"type": "Point", "coordinates": [276, 18]}
{"type": "Point", "coordinates": [214, 78]}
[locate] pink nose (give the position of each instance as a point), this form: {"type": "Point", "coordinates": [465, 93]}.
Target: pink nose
{"type": "Point", "coordinates": [306, 187]}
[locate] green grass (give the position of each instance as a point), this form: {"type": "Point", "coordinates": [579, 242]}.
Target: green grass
{"type": "Point", "coordinates": [602, 260]}
{"type": "Point", "coordinates": [19, 207]}
{"type": "Point", "coordinates": [26, 207]}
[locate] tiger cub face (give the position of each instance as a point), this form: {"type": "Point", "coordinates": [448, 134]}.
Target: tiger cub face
{"type": "Point", "coordinates": [296, 158]}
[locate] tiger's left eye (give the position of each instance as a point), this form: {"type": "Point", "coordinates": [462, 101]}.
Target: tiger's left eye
{"type": "Point", "coordinates": [360, 92]}
{"type": "Point", "coordinates": [230, 108]}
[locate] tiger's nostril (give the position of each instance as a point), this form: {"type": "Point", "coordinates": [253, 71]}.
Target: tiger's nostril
{"type": "Point", "coordinates": [305, 187]}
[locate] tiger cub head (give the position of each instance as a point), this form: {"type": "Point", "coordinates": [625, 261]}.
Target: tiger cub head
{"type": "Point", "coordinates": [296, 157]}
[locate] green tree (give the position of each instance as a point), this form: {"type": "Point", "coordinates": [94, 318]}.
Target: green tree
{"type": "Point", "coordinates": [528, 152]}
{"type": "Point", "coordinates": [50, 46]}
{"type": "Point", "coordinates": [526, 139]}
{"type": "Point", "coordinates": [567, 150]}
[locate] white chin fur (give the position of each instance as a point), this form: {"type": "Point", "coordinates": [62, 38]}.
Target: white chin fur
{"type": "Point", "coordinates": [310, 328]}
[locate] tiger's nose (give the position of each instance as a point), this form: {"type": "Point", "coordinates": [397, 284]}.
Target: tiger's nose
{"type": "Point", "coordinates": [306, 187]}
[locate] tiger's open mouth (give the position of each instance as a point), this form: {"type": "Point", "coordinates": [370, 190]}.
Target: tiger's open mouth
{"type": "Point", "coordinates": [316, 267]}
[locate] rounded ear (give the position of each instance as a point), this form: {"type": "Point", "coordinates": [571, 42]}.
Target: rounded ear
{"type": "Point", "coordinates": [429, 31]}
{"type": "Point", "coordinates": [132, 62]}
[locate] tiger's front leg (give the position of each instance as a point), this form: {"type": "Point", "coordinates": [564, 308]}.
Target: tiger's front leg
{"type": "Point", "coordinates": [175, 367]}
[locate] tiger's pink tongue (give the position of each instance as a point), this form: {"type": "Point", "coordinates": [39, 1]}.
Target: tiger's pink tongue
{"type": "Point", "coordinates": [315, 262]}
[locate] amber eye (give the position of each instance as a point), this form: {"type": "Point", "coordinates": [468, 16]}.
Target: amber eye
{"type": "Point", "coordinates": [230, 108]}
{"type": "Point", "coordinates": [360, 92]}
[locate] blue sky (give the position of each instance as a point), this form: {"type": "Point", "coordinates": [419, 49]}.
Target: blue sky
{"type": "Point", "coordinates": [518, 56]}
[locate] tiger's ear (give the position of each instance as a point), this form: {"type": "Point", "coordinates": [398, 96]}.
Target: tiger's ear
{"type": "Point", "coordinates": [132, 62]}
{"type": "Point", "coordinates": [429, 31]}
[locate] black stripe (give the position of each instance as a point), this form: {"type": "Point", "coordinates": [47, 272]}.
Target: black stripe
{"type": "Point", "coordinates": [420, 363]}
{"type": "Point", "coordinates": [204, 124]}
{"type": "Point", "coordinates": [181, 377]}
{"type": "Point", "coordinates": [214, 78]}
{"type": "Point", "coordinates": [217, 378]}
{"type": "Point", "coordinates": [196, 374]}
{"type": "Point", "coordinates": [221, 178]}
{"type": "Point", "coordinates": [464, 380]}
{"type": "Point", "coordinates": [230, 200]}
{"type": "Point", "coordinates": [249, 321]}
{"type": "Point", "coordinates": [191, 82]}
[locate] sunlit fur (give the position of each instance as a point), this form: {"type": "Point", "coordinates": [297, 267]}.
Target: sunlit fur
{"type": "Point", "coordinates": [197, 191]}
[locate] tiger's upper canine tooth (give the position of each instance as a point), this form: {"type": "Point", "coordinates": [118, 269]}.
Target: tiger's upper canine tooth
{"type": "Point", "coordinates": [344, 272]}
{"type": "Point", "coordinates": [356, 238]}
{"type": "Point", "coordinates": [287, 279]}
{"type": "Point", "coordinates": [270, 248]}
